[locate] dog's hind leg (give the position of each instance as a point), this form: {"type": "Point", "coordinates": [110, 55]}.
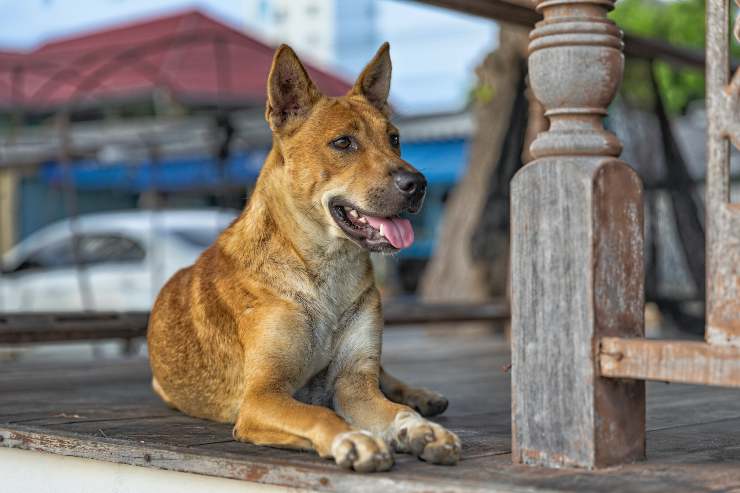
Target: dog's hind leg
{"type": "Point", "coordinates": [424, 401]}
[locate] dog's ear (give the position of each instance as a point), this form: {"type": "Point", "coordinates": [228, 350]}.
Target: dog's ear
{"type": "Point", "coordinates": [375, 81]}
{"type": "Point", "coordinates": [290, 91]}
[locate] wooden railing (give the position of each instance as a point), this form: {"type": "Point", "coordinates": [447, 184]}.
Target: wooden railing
{"type": "Point", "coordinates": [577, 252]}
{"type": "Point", "coordinates": [579, 359]}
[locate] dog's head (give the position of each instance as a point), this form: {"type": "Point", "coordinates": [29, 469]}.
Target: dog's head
{"type": "Point", "coordinates": [342, 155]}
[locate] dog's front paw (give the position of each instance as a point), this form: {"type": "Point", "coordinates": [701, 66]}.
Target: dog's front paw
{"type": "Point", "coordinates": [426, 402]}
{"type": "Point", "coordinates": [361, 451]}
{"type": "Point", "coordinates": [427, 440]}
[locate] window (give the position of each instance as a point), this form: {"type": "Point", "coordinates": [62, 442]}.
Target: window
{"type": "Point", "coordinates": [92, 249]}
{"type": "Point", "coordinates": [56, 255]}
{"type": "Point", "coordinates": [97, 249]}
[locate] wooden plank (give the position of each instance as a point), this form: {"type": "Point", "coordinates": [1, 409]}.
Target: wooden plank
{"type": "Point", "coordinates": [676, 405]}
{"type": "Point", "coordinates": [474, 473]}
{"type": "Point", "coordinates": [125, 422]}
{"type": "Point", "coordinates": [577, 254]}
{"type": "Point", "coordinates": [25, 328]}
{"type": "Point", "coordinates": [89, 376]}
{"type": "Point", "coordinates": [685, 444]}
{"type": "Point", "coordinates": [305, 471]}
{"type": "Point", "coordinates": [425, 313]}
{"type": "Point", "coordinates": [469, 387]}
{"type": "Point", "coordinates": [671, 361]}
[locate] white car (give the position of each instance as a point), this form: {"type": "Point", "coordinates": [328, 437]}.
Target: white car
{"type": "Point", "coordinates": [120, 262]}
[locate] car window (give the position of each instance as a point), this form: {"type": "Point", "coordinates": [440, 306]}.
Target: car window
{"type": "Point", "coordinates": [92, 249]}
{"type": "Point", "coordinates": [55, 255]}
{"type": "Point", "coordinates": [96, 249]}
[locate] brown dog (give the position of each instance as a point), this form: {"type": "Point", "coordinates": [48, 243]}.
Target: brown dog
{"type": "Point", "coordinates": [279, 321]}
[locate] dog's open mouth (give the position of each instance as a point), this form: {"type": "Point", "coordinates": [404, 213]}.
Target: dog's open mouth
{"type": "Point", "coordinates": [376, 233]}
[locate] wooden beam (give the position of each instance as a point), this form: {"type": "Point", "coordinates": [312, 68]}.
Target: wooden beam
{"type": "Point", "coordinates": [670, 361]}
{"type": "Point", "coordinates": [522, 13]}
{"type": "Point", "coordinates": [431, 313]}
{"type": "Point", "coordinates": [26, 328]}
{"type": "Point", "coordinates": [577, 254]}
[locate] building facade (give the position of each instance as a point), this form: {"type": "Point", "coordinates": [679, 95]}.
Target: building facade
{"type": "Point", "coordinates": [331, 33]}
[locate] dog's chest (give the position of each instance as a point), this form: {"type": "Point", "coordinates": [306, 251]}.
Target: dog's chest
{"type": "Point", "coordinates": [334, 297]}
{"type": "Point", "coordinates": [327, 325]}
{"type": "Point", "coordinates": [316, 386]}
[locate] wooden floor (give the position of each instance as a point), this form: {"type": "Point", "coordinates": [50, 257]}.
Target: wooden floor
{"type": "Point", "coordinates": [107, 411]}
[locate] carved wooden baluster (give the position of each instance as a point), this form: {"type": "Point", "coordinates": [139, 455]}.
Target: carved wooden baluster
{"type": "Point", "coordinates": [723, 217]}
{"type": "Point", "coordinates": [577, 252]}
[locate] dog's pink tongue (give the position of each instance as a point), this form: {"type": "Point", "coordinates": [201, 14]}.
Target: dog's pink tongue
{"type": "Point", "coordinates": [399, 231]}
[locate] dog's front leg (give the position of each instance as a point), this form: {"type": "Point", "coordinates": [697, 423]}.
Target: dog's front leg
{"type": "Point", "coordinates": [276, 419]}
{"type": "Point", "coordinates": [358, 398]}
{"type": "Point", "coordinates": [269, 415]}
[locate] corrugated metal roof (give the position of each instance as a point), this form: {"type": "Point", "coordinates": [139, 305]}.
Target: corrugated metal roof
{"type": "Point", "coordinates": [189, 55]}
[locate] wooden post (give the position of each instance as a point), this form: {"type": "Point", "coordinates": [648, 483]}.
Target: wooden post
{"type": "Point", "coordinates": [577, 253]}
{"type": "Point", "coordinates": [723, 217]}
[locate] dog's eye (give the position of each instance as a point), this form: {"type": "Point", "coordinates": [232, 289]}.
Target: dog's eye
{"type": "Point", "coordinates": [395, 140]}
{"type": "Point", "coordinates": [342, 143]}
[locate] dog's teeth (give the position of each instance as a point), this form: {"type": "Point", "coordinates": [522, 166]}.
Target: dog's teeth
{"type": "Point", "coordinates": [381, 230]}
{"type": "Point", "coordinates": [354, 213]}
{"type": "Point", "coordinates": [363, 219]}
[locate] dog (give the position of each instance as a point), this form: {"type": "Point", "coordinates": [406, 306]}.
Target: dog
{"type": "Point", "coordinates": [277, 326]}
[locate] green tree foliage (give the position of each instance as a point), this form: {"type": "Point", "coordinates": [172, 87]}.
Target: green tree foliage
{"type": "Point", "coordinates": [679, 22]}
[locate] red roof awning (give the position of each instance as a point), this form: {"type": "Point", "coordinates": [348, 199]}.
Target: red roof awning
{"type": "Point", "coordinates": [189, 56]}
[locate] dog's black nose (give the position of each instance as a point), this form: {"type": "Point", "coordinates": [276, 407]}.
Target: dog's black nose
{"type": "Point", "coordinates": [410, 183]}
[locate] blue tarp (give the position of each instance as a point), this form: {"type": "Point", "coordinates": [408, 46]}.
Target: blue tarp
{"type": "Point", "coordinates": [441, 162]}
{"type": "Point", "coordinates": [168, 175]}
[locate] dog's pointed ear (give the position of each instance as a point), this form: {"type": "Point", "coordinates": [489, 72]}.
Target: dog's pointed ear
{"type": "Point", "coordinates": [375, 80]}
{"type": "Point", "coordinates": [290, 91]}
